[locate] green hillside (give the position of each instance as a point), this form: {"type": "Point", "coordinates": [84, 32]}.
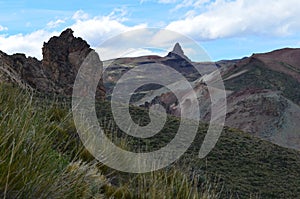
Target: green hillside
{"type": "Point", "coordinates": [41, 157]}
{"type": "Point", "coordinates": [264, 79]}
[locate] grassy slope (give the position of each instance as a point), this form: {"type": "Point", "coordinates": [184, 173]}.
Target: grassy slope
{"type": "Point", "coordinates": [265, 79]}
{"type": "Point", "coordinates": [31, 165]}
{"type": "Point", "coordinates": [244, 166]}
{"type": "Point", "coordinates": [41, 157]}
{"type": "Point", "coordinates": [247, 165]}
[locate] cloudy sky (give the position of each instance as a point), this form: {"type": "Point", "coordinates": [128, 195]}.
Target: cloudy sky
{"type": "Point", "coordinates": [226, 29]}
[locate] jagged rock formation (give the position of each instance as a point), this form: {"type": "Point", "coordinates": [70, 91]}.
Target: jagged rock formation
{"type": "Point", "coordinates": [177, 49]}
{"type": "Point", "coordinates": [18, 69]}
{"type": "Point", "coordinates": [62, 57]}
{"type": "Point", "coordinates": [56, 73]}
{"type": "Point", "coordinates": [177, 60]}
{"type": "Point", "coordinates": [177, 52]}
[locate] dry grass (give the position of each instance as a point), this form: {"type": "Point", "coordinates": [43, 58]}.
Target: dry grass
{"type": "Point", "coordinates": [40, 158]}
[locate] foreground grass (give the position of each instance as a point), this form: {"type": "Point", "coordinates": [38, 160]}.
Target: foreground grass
{"type": "Point", "coordinates": [40, 157]}
{"type": "Point", "coordinates": [29, 165]}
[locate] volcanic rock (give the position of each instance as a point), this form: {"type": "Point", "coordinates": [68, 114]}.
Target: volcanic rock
{"type": "Point", "coordinates": [177, 52]}
{"type": "Point", "coordinates": [56, 73]}
{"type": "Point", "coordinates": [62, 58]}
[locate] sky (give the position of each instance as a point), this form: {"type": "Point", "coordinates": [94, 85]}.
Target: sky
{"type": "Point", "coordinates": [225, 29]}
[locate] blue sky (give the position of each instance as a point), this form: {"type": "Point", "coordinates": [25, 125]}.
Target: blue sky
{"type": "Point", "coordinates": [226, 29]}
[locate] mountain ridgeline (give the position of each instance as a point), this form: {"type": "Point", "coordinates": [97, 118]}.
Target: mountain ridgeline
{"type": "Point", "coordinates": [259, 149]}
{"type": "Point", "coordinates": [56, 73]}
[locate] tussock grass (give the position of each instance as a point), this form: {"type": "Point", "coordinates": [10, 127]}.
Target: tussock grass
{"type": "Point", "coordinates": [42, 157]}
{"type": "Point", "coordinates": [29, 165]}
{"type": "Point", "coordinates": [172, 184]}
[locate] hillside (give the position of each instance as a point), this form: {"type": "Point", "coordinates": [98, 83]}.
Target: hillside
{"type": "Point", "coordinates": [42, 156]}
{"type": "Point", "coordinates": [244, 165]}
{"type": "Point", "coordinates": [262, 96]}
{"type": "Point", "coordinates": [240, 165]}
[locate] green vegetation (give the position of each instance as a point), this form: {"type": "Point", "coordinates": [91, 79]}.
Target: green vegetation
{"type": "Point", "coordinates": [246, 166]}
{"type": "Point", "coordinates": [264, 79]}
{"type": "Point", "coordinates": [41, 157]}
{"type": "Point", "coordinates": [30, 166]}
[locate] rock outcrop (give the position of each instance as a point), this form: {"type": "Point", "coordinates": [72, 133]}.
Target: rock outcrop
{"type": "Point", "coordinates": [177, 59]}
{"type": "Point", "coordinates": [18, 69]}
{"type": "Point", "coordinates": [62, 58]}
{"type": "Point", "coordinates": [177, 51]}
{"type": "Point", "coordinates": [56, 73]}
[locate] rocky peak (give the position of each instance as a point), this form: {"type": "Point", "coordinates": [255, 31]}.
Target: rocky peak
{"type": "Point", "coordinates": [67, 34]}
{"type": "Point", "coordinates": [177, 52]}
{"type": "Point", "coordinates": [62, 58]}
{"type": "Point", "coordinates": [56, 73]}
{"type": "Point", "coordinates": [177, 49]}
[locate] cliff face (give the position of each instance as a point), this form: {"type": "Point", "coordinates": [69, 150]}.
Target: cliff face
{"type": "Point", "coordinates": [56, 73]}
{"type": "Point", "coordinates": [62, 58]}
{"type": "Point", "coordinates": [18, 69]}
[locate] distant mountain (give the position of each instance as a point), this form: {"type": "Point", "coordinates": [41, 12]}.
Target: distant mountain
{"type": "Point", "coordinates": [176, 59]}
{"type": "Point", "coordinates": [263, 90]}
{"type": "Point", "coordinates": [177, 53]}
{"type": "Point", "coordinates": [263, 96]}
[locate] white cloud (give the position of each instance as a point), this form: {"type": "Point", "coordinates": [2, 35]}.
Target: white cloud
{"type": "Point", "coordinates": [30, 44]}
{"type": "Point", "coordinates": [55, 24]}
{"type": "Point", "coordinates": [192, 3]}
{"type": "Point", "coordinates": [113, 52]}
{"type": "Point", "coordinates": [119, 14]}
{"type": "Point", "coordinates": [136, 52]}
{"type": "Point", "coordinates": [223, 18]}
{"type": "Point", "coordinates": [130, 42]}
{"type": "Point", "coordinates": [185, 3]}
{"type": "Point", "coordinates": [98, 29]}
{"type": "Point", "coordinates": [149, 41]}
{"type": "Point", "coordinates": [95, 30]}
{"type": "Point", "coordinates": [2, 28]}
{"type": "Point", "coordinates": [80, 15]}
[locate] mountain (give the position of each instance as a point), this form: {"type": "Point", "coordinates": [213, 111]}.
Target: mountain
{"type": "Point", "coordinates": [178, 53]}
{"type": "Point", "coordinates": [262, 100]}
{"type": "Point", "coordinates": [56, 73]}
{"type": "Point", "coordinates": [263, 92]}
{"type": "Point", "coordinates": [176, 59]}
{"type": "Point", "coordinates": [277, 71]}
{"type": "Point", "coordinates": [263, 96]}
{"type": "Point", "coordinates": [285, 60]}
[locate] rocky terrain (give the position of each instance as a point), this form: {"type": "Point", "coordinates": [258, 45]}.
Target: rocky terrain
{"type": "Point", "coordinates": [263, 92]}
{"type": "Point", "coordinates": [262, 100]}
{"type": "Point", "coordinates": [176, 59]}
{"type": "Point", "coordinates": [56, 73]}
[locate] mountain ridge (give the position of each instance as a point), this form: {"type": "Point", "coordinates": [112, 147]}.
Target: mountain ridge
{"type": "Point", "coordinates": [56, 72]}
{"type": "Point", "coordinates": [264, 80]}
{"type": "Point", "coordinates": [248, 164]}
